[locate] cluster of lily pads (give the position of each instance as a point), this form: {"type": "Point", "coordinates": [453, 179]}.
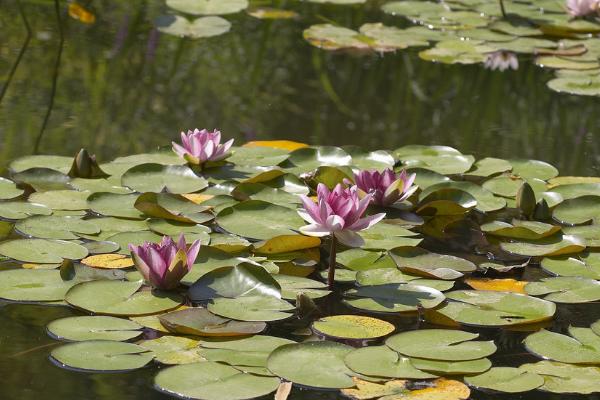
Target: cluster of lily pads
{"type": "Point", "coordinates": [246, 309]}
{"type": "Point", "coordinates": [554, 33]}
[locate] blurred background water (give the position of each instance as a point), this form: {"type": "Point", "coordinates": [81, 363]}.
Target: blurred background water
{"type": "Point", "coordinates": [123, 87]}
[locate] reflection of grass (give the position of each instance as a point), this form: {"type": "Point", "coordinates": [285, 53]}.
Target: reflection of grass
{"type": "Point", "coordinates": [258, 79]}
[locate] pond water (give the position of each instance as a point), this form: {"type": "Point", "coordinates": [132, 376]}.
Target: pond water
{"type": "Point", "coordinates": [122, 87]}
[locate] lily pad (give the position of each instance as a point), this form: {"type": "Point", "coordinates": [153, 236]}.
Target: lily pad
{"type": "Point", "coordinates": [443, 367]}
{"type": "Point", "coordinates": [173, 350]}
{"type": "Point", "coordinates": [102, 355]}
{"type": "Point", "coordinates": [566, 289]}
{"type": "Point", "coordinates": [381, 361]}
{"type": "Point", "coordinates": [8, 189]}
{"type": "Point", "coordinates": [20, 210]}
{"type": "Point", "coordinates": [114, 205]}
{"type": "Point", "coordinates": [33, 285]}
{"type": "Point", "coordinates": [441, 344]}
{"type": "Point", "coordinates": [329, 373]}
{"type": "Point", "coordinates": [42, 251]}
{"type": "Point", "coordinates": [199, 28]}
{"type": "Point", "coordinates": [424, 263]}
{"type": "Point", "coordinates": [580, 210]}
{"type": "Point", "coordinates": [251, 308]}
{"type": "Point", "coordinates": [208, 7]}
{"type": "Point", "coordinates": [352, 327]}
{"type": "Point", "coordinates": [120, 298]}
{"type": "Point", "coordinates": [78, 329]}
{"type": "Point", "coordinates": [583, 347]}
{"type": "Point", "coordinates": [565, 378]}
{"type": "Point", "coordinates": [507, 380]}
{"type": "Point", "coordinates": [201, 322]}
{"type": "Point", "coordinates": [393, 298]}
{"type": "Point", "coordinates": [586, 265]}
{"type": "Point", "coordinates": [213, 381]}
{"type": "Point", "coordinates": [157, 178]}
{"type": "Point", "coordinates": [552, 246]}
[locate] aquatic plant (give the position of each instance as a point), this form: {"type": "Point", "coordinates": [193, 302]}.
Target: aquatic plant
{"type": "Point", "coordinates": [201, 146]}
{"type": "Point", "coordinates": [163, 265]}
{"type": "Point", "coordinates": [386, 187]}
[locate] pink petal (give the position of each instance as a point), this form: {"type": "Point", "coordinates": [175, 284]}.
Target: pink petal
{"type": "Point", "coordinates": [178, 149]}
{"type": "Point", "coordinates": [311, 208]}
{"type": "Point", "coordinates": [314, 230]}
{"type": "Point", "coordinates": [367, 222]}
{"type": "Point", "coordinates": [349, 238]}
{"type": "Point", "coordinates": [334, 223]}
{"type": "Point", "coordinates": [192, 254]}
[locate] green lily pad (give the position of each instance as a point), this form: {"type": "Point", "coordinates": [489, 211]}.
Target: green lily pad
{"type": "Point", "coordinates": [486, 201]}
{"type": "Point", "coordinates": [489, 166]}
{"type": "Point", "coordinates": [124, 239]}
{"type": "Point", "coordinates": [578, 85]}
{"type": "Point", "coordinates": [102, 355]}
{"type": "Point", "coordinates": [551, 246]}
{"type": "Point", "coordinates": [565, 378]}
{"type": "Point", "coordinates": [393, 298]}
{"type": "Point", "coordinates": [201, 322]}
{"type": "Point", "coordinates": [157, 178]}
{"type": "Point", "coordinates": [441, 344]}
{"type": "Point", "coordinates": [528, 230]}
{"type": "Point", "coordinates": [565, 289]}
{"type": "Point", "coordinates": [213, 381]}
{"type": "Point", "coordinates": [576, 190]}
{"type": "Point", "coordinates": [489, 308]}
{"type": "Point", "coordinates": [424, 263]}
{"type": "Point", "coordinates": [329, 373]}
{"type": "Point", "coordinates": [208, 7]}
{"type": "Point", "coordinates": [259, 220]}
{"type": "Point", "coordinates": [382, 276]}
{"type": "Point", "coordinates": [446, 202]}
{"type": "Point", "coordinates": [54, 227]}
{"type": "Point", "coordinates": [580, 210]}
{"type": "Point", "coordinates": [585, 265]}
{"type": "Point", "coordinates": [172, 207]}
{"type": "Point", "coordinates": [583, 347]}
{"type": "Point", "coordinates": [331, 37]}
{"type": "Point", "coordinates": [507, 380]}
{"type": "Point", "coordinates": [442, 367]}
{"type": "Point", "coordinates": [43, 179]}
{"type": "Point", "coordinates": [352, 327]}
{"type": "Point", "coordinates": [58, 163]}
{"type": "Point", "coordinates": [20, 210]}
{"type": "Point", "coordinates": [114, 205]}
{"type": "Point", "coordinates": [42, 251]}
{"type": "Point", "coordinates": [198, 28]}
{"type": "Point", "coordinates": [381, 361]}
{"type": "Point", "coordinates": [8, 189]}
{"type": "Point", "coordinates": [384, 236]}
{"type": "Point", "coordinates": [120, 298]}
{"type": "Point", "coordinates": [33, 285]}
{"type": "Point", "coordinates": [173, 350]}
{"type": "Point", "coordinates": [291, 286]}
{"type": "Point", "coordinates": [589, 233]}
{"type": "Point", "coordinates": [61, 199]}
{"type": "Point", "coordinates": [310, 158]}
{"type": "Point", "coordinates": [533, 169]}
{"type": "Point", "coordinates": [258, 156]}
{"type": "Point", "coordinates": [251, 308]}
{"type": "Point", "coordinates": [78, 329]}
{"type": "Point", "coordinates": [242, 280]}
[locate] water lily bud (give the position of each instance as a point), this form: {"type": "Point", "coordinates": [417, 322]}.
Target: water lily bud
{"type": "Point", "coordinates": [526, 199]}
{"type": "Point", "coordinates": [200, 146]}
{"type": "Point", "coordinates": [85, 166]}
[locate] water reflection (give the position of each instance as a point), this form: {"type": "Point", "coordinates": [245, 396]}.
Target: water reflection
{"type": "Point", "coordinates": [123, 87]}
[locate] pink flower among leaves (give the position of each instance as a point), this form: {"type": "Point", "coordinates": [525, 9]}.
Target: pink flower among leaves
{"type": "Point", "coordinates": [164, 264]}
{"type": "Point", "coordinates": [581, 8]}
{"type": "Point", "coordinates": [386, 187]}
{"type": "Point", "coordinates": [338, 212]}
{"type": "Point", "coordinates": [200, 146]}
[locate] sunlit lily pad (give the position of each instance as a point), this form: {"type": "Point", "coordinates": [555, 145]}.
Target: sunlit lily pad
{"type": "Point", "coordinates": [114, 205]}
{"type": "Point", "coordinates": [565, 378]}
{"type": "Point", "coordinates": [578, 211]}
{"type": "Point", "coordinates": [61, 199]}
{"type": "Point", "coordinates": [251, 308]}
{"type": "Point", "coordinates": [201, 322]}
{"type": "Point", "coordinates": [58, 163]}
{"type": "Point", "coordinates": [259, 220]}
{"type": "Point", "coordinates": [213, 381]}
{"type": "Point", "coordinates": [102, 355]}
{"type": "Point", "coordinates": [208, 7]}
{"type": "Point", "coordinates": [331, 37]}
{"type": "Point", "coordinates": [33, 285]}
{"type": "Point", "coordinates": [486, 201]}
{"type": "Point", "coordinates": [120, 298]}
{"type": "Point", "coordinates": [422, 262]}
{"type": "Point", "coordinates": [381, 361]}
{"type": "Point", "coordinates": [586, 265]}
{"type": "Point", "coordinates": [528, 230]}
{"type": "Point", "coordinates": [441, 344]}
{"type": "Point", "coordinates": [329, 373]}
{"type": "Point", "coordinates": [172, 350]}
{"type": "Point", "coordinates": [393, 298]}
{"type": "Point", "coordinates": [566, 289]}
{"type": "Point", "coordinates": [42, 251]}
{"type": "Point", "coordinates": [198, 28]}
{"type": "Point", "coordinates": [157, 178]}
{"type": "Point", "coordinates": [20, 210]}
{"type": "Point", "coordinates": [489, 308]}
{"type": "Point", "coordinates": [55, 227]}
{"type": "Point", "coordinates": [8, 189]}
{"type": "Point", "coordinates": [443, 367]}
{"type": "Point", "coordinates": [507, 380]}
{"type": "Point", "coordinates": [551, 246]}
{"type": "Point", "coordinates": [352, 327]}
{"type": "Point", "coordinates": [78, 329]}
{"type": "Point", "coordinates": [583, 347]}
{"type": "Point", "coordinates": [441, 389]}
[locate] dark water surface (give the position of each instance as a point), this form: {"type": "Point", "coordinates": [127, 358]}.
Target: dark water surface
{"type": "Point", "coordinates": [121, 87]}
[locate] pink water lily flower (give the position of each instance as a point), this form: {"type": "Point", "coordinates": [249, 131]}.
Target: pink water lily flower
{"type": "Point", "coordinates": [201, 146]}
{"type": "Point", "coordinates": [164, 264]}
{"type": "Point", "coordinates": [386, 187]}
{"type": "Point", "coordinates": [581, 8]}
{"type": "Point", "coordinates": [339, 213]}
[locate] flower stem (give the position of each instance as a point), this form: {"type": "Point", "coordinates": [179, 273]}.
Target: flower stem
{"type": "Point", "coordinates": [332, 257]}
{"type": "Point", "coordinates": [502, 8]}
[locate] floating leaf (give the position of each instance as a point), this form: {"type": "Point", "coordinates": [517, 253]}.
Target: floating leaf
{"type": "Point", "coordinates": [565, 378]}
{"type": "Point", "coordinates": [565, 289]}
{"type": "Point", "coordinates": [498, 285]}
{"type": "Point", "coordinates": [213, 381]}
{"type": "Point", "coordinates": [102, 355]}
{"type": "Point", "coordinates": [586, 265]}
{"type": "Point", "coordinates": [329, 373]}
{"type": "Point", "coordinates": [352, 327]}
{"type": "Point", "coordinates": [201, 322]}
{"type": "Point", "coordinates": [442, 367]}
{"type": "Point", "coordinates": [19, 210]}
{"type": "Point", "coordinates": [393, 298]}
{"type": "Point", "coordinates": [383, 362]}
{"type": "Point", "coordinates": [507, 380]}
{"type": "Point", "coordinates": [422, 262]}
{"type": "Point", "coordinates": [528, 230]}
{"type": "Point", "coordinates": [583, 347]}
{"type": "Point", "coordinates": [42, 251]}
{"type": "Point", "coordinates": [580, 210]}
{"type": "Point", "coordinates": [33, 285]}
{"type": "Point", "coordinates": [108, 261]}
{"type": "Point", "coordinates": [208, 7]}
{"type": "Point", "coordinates": [120, 298]}
{"type": "Point", "coordinates": [553, 246]}
{"type": "Point", "coordinates": [251, 308]}
{"type": "Point", "coordinates": [441, 344]}
{"type": "Point", "coordinates": [78, 329]}
{"type": "Point", "coordinates": [173, 350]}
{"type": "Point", "coordinates": [199, 28]}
